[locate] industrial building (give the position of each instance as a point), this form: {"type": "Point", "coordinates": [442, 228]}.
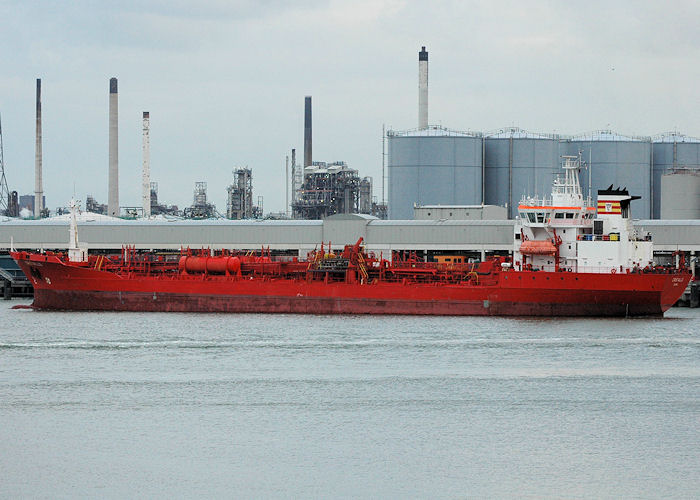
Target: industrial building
{"type": "Point", "coordinates": [459, 212]}
{"type": "Point", "coordinates": [478, 237]}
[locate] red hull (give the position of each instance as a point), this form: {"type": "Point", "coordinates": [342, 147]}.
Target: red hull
{"type": "Point", "coordinates": [512, 293]}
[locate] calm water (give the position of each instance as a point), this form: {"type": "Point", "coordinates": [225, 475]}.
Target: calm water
{"type": "Point", "coordinates": [183, 405]}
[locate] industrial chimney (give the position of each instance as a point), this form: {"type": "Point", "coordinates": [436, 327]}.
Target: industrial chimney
{"type": "Point", "coordinates": [38, 157]}
{"type": "Point", "coordinates": [146, 179]}
{"type": "Point", "coordinates": [423, 89]}
{"type": "Point", "coordinates": [113, 195]}
{"type": "Point", "coordinates": [307, 131]}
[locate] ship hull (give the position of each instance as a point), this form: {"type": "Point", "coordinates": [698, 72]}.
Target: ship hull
{"type": "Point", "coordinates": [88, 300]}
{"type": "Point", "coordinates": [58, 286]}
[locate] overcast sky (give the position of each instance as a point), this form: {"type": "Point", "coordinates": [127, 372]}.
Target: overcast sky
{"type": "Point", "coordinates": [225, 82]}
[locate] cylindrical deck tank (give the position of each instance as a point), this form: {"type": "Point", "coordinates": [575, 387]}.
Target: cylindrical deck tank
{"type": "Point", "coordinates": [680, 194]}
{"type": "Point", "coordinates": [617, 160]}
{"type": "Point", "coordinates": [518, 163]}
{"type": "Point", "coordinates": [211, 265]}
{"type": "Point", "coordinates": [435, 166]}
{"type": "Point", "coordinates": [671, 151]}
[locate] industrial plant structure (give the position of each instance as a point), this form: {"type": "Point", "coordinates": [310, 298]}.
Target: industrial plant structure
{"type": "Point", "coordinates": [518, 163]}
{"type": "Point", "coordinates": [616, 160]}
{"type": "Point", "coordinates": [6, 205]}
{"type": "Point", "coordinates": [146, 172]}
{"type": "Point", "coordinates": [26, 202]}
{"type": "Point", "coordinates": [158, 208]}
{"type": "Point", "coordinates": [321, 189]}
{"type": "Point", "coordinates": [200, 208]}
{"type": "Point", "coordinates": [113, 188]}
{"type": "Point", "coordinates": [95, 207]}
{"type": "Point", "coordinates": [329, 189]}
{"type": "Point", "coordinates": [239, 202]}
{"type": "Point", "coordinates": [39, 200]}
{"type": "Point", "coordinates": [670, 152]}
{"type": "Point", "coordinates": [428, 166]}
{"type": "Point", "coordinates": [680, 194]}
{"type": "Point", "coordinates": [433, 165]}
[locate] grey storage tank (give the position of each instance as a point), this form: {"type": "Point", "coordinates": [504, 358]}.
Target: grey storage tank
{"type": "Point", "coordinates": [433, 166]}
{"type": "Point", "coordinates": [680, 194]}
{"type": "Point", "coordinates": [671, 151]}
{"type": "Point", "coordinates": [518, 163]}
{"type": "Point", "coordinates": [615, 160]}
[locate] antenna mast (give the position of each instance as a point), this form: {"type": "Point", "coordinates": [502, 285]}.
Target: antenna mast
{"type": "Point", "coordinates": [4, 190]}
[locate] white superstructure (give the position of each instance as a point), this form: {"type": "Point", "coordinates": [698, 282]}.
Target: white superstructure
{"type": "Point", "coordinates": [566, 232]}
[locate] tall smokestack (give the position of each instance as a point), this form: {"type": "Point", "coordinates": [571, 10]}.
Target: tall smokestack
{"type": "Point", "coordinates": [307, 131]}
{"type": "Point", "coordinates": [38, 157]}
{"type": "Point", "coordinates": [423, 89]}
{"type": "Point", "coordinates": [294, 175]}
{"type": "Point", "coordinates": [146, 179]}
{"type": "Point", "coordinates": [113, 195]}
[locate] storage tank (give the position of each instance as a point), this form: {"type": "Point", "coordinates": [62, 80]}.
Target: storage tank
{"type": "Point", "coordinates": [618, 160]}
{"type": "Point", "coordinates": [433, 166]}
{"type": "Point", "coordinates": [518, 163]}
{"type": "Point", "coordinates": [670, 151]}
{"type": "Point", "coordinates": [680, 194]}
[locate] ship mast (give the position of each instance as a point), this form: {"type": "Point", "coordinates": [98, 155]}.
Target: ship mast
{"type": "Point", "coordinates": [567, 192]}
{"type": "Point", "coordinates": [75, 252]}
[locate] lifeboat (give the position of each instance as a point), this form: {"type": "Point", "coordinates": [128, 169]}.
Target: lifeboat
{"type": "Point", "coordinates": [534, 247]}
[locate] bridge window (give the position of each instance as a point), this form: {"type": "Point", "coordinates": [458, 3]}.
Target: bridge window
{"type": "Point", "coordinates": [569, 215]}
{"type": "Point", "coordinates": [559, 215]}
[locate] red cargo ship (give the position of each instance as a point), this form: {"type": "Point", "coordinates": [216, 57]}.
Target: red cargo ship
{"type": "Point", "coordinates": [567, 261]}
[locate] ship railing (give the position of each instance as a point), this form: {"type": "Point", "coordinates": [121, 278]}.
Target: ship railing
{"type": "Point", "coordinates": [608, 269]}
